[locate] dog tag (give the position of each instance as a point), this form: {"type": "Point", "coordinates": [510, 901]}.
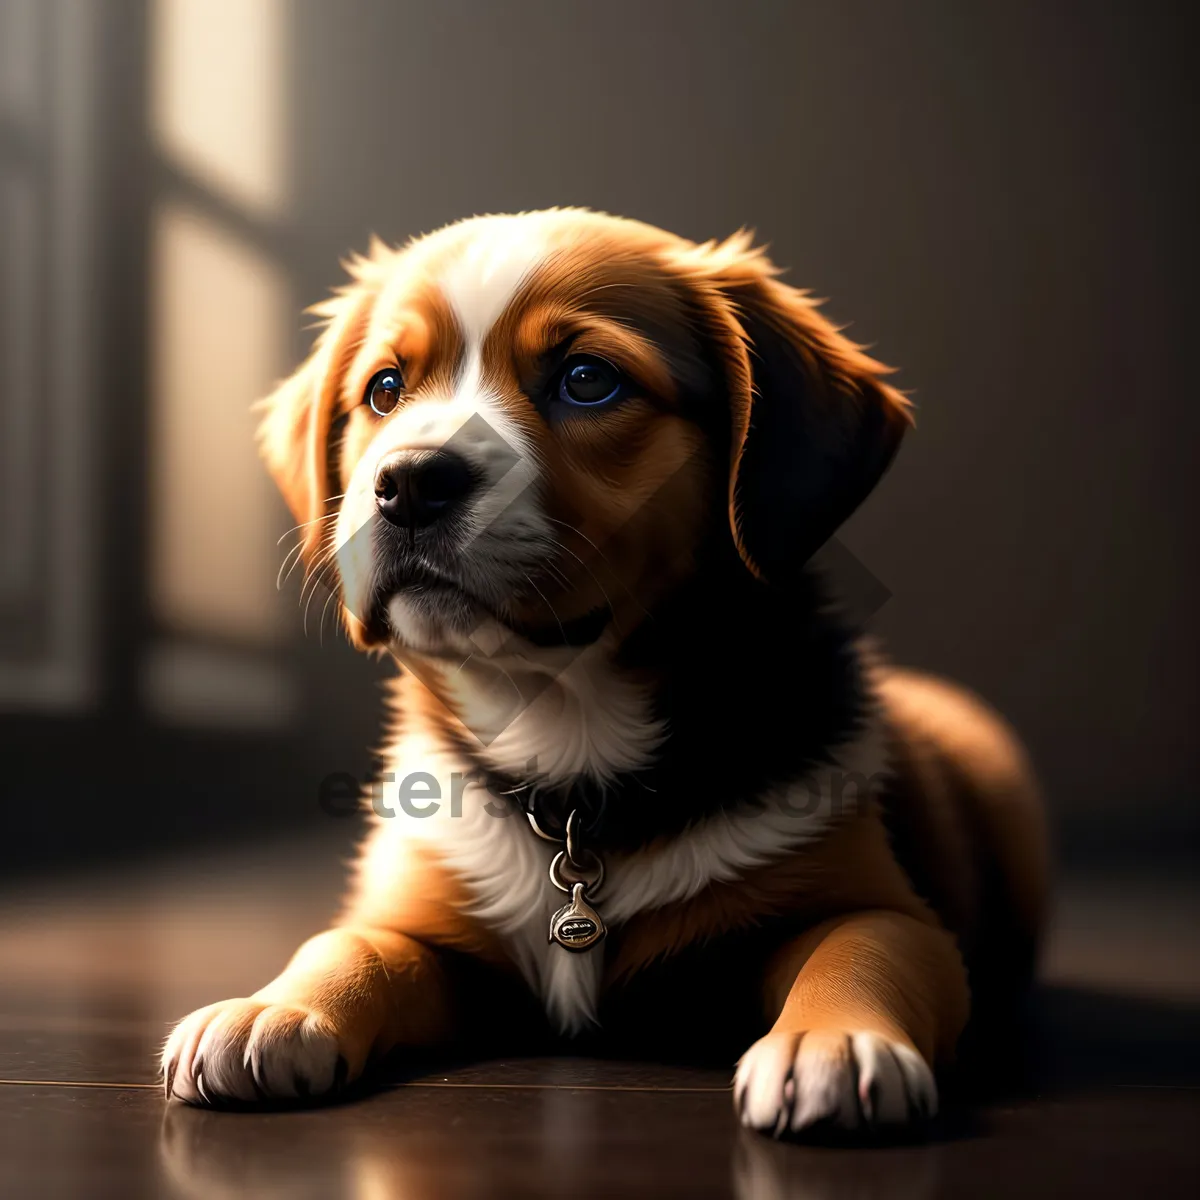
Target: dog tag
{"type": "Point", "coordinates": [577, 925]}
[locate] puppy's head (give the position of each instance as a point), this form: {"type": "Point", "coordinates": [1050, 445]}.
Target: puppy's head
{"type": "Point", "coordinates": [535, 423]}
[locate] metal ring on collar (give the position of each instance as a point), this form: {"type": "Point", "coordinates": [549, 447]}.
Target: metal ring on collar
{"type": "Point", "coordinates": [564, 874]}
{"type": "Point", "coordinates": [575, 850]}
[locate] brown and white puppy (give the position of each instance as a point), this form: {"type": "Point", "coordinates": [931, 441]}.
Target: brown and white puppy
{"type": "Point", "coordinates": [577, 467]}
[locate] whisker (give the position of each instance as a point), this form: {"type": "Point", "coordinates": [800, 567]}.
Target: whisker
{"type": "Point", "coordinates": [314, 521]}
{"type": "Point", "coordinates": [511, 680]}
{"type": "Point", "coordinates": [595, 579]}
{"type": "Point", "coordinates": [557, 575]}
{"type": "Point", "coordinates": [550, 606]}
{"type": "Point", "coordinates": [325, 609]}
{"type": "Point", "coordinates": [280, 577]}
{"type": "Point", "coordinates": [295, 563]}
{"type": "Point", "coordinates": [317, 574]}
{"type": "Point", "coordinates": [318, 579]}
{"type": "Point", "coordinates": [295, 554]}
{"type": "Point", "coordinates": [579, 533]}
{"type": "Point", "coordinates": [604, 557]}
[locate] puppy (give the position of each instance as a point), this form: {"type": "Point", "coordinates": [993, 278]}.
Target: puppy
{"type": "Point", "coordinates": [642, 779]}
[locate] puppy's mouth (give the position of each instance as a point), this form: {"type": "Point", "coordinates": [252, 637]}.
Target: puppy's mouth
{"type": "Point", "coordinates": [432, 611]}
{"type": "Point", "coordinates": [418, 580]}
{"type": "Point", "coordinates": [438, 596]}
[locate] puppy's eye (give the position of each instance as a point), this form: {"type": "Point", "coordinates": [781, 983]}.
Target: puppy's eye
{"type": "Point", "coordinates": [384, 391]}
{"type": "Point", "coordinates": [587, 382]}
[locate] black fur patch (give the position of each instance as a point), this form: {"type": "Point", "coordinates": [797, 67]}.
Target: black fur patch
{"type": "Point", "coordinates": [757, 684]}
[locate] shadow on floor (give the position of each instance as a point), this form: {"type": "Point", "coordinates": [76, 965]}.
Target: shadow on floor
{"type": "Point", "coordinates": [1103, 1078]}
{"type": "Point", "coordinates": [1079, 1038]}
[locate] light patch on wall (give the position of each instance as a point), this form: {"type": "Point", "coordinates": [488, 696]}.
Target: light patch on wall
{"type": "Point", "coordinates": [19, 59]}
{"type": "Point", "coordinates": [50, 80]}
{"type": "Point", "coordinates": [217, 95]}
{"type": "Point", "coordinates": [221, 312]}
{"type": "Point", "coordinates": [20, 294]}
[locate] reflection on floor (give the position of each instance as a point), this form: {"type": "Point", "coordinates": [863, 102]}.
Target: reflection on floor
{"type": "Point", "coordinates": [93, 970]}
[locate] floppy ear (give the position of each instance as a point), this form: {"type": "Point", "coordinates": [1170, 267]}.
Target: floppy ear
{"type": "Point", "coordinates": [293, 434]}
{"type": "Point", "coordinates": [814, 425]}
{"type": "Point", "coordinates": [291, 440]}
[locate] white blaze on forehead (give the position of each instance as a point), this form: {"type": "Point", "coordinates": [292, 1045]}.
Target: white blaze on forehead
{"type": "Point", "coordinates": [479, 284]}
{"type": "Point", "coordinates": [481, 281]}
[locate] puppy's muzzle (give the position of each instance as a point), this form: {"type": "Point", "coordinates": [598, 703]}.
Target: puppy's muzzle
{"type": "Point", "coordinates": [416, 489]}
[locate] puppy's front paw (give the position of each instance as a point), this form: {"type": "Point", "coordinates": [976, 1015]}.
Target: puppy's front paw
{"type": "Point", "coordinates": [788, 1082]}
{"type": "Point", "coordinates": [248, 1051]}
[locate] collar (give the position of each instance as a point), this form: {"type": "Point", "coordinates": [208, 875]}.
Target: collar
{"type": "Point", "coordinates": [549, 805]}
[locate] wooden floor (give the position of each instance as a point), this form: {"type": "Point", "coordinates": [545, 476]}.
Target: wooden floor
{"type": "Point", "coordinates": [92, 971]}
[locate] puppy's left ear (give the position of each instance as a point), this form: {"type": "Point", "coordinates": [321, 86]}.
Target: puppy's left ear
{"type": "Point", "coordinates": [814, 424]}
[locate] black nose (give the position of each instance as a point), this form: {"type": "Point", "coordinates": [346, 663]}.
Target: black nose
{"type": "Point", "coordinates": [416, 490]}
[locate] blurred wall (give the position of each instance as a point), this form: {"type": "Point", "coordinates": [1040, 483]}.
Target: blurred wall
{"type": "Point", "coordinates": [1000, 197]}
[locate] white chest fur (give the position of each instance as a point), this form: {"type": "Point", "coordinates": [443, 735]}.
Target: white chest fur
{"type": "Point", "coordinates": [505, 866]}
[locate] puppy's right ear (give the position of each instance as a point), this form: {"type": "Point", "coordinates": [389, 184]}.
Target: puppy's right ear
{"type": "Point", "coordinates": [293, 434]}
{"type": "Point", "coordinates": [291, 439]}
